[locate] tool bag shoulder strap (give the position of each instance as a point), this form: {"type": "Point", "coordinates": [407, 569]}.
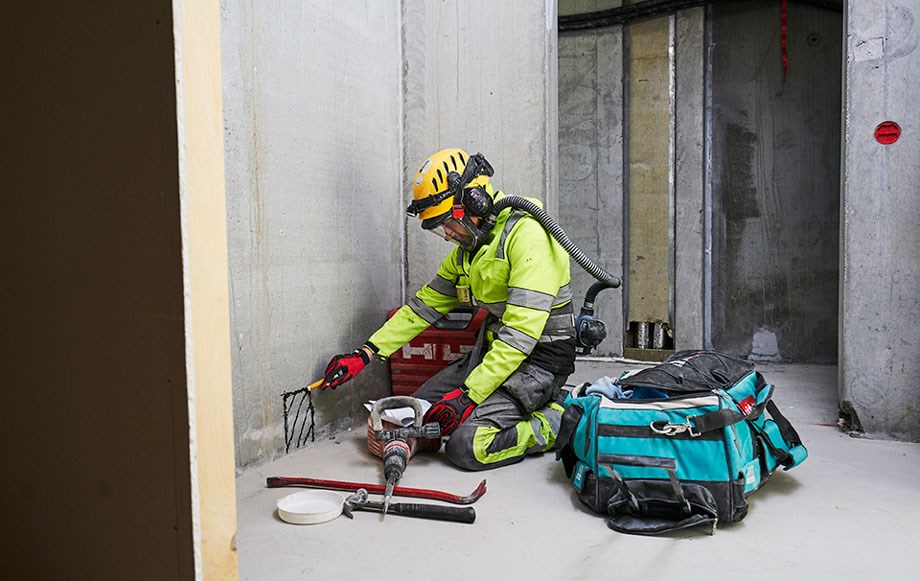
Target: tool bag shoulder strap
{"type": "Point", "coordinates": [690, 371]}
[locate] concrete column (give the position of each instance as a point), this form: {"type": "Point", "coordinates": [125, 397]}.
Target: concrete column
{"type": "Point", "coordinates": [691, 145]}
{"type": "Point", "coordinates": [880, 213]}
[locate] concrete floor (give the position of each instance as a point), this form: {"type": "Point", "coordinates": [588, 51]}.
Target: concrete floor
{"type": "Point", "coordinates": [851, 511]}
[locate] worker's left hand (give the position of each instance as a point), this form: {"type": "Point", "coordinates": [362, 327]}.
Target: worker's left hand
{"type": "Point", "coordinates": [451, 411]}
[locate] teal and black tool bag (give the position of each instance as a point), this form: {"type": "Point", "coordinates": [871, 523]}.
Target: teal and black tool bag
{"type": "Point", "coordinates": [677, 445]}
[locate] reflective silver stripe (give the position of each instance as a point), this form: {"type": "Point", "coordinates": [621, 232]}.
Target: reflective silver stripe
{"type": "Point", "coordinates": [668, 405]}
{"type": "Point", "coordinates": [550, 339]}
{"type": "Point", "coordinates": [460, 258]}
{"type": "Point", "coordinates": [560, 321]}
{"type": "Point", "coordinates": [497, 309]}
{"type": "Point", "coordinates": [531, 299]}
{"type": "Point", "coordinates": [517, 339]}
{"type": "Point", "coordinates": [443, 286]}
{"type": "Point", "coordinates": [509, 225]}
{"type": "Point", "coordinates": [557, 336]}
{"type": "Point", "coordinates": [559, 326]}
{"type": "Point", "coordinates": [564, 295]}
{"type": "Point", "coordinates": [424, 311]}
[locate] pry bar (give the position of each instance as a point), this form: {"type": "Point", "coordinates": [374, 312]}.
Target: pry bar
{"type": "Point", "coordinates": [426, 493]}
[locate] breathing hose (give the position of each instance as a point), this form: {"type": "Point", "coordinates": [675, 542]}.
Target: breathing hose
{"type": "Point", "coordinates": [595, 288]}
{"type": "Point", "coordinates": [606, 279]}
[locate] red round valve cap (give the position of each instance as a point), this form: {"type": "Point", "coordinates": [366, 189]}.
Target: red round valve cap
{"type": "Point", "coordinates": [887, 132]}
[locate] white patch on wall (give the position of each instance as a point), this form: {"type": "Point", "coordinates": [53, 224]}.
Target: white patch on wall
{"type": "Point", "coordinates": [869, 49]}
{"type": "Point", "coordinates": [274, 432]}
{"type": "Point", "coordinates": [764, 346]}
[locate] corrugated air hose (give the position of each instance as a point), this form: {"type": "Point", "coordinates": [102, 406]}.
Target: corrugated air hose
{"type": "Point", "coordinates": [556, 231]}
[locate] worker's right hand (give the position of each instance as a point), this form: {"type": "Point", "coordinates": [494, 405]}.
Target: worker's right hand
{"type": "Point", "coordinates": [451, 410]}
{"type": "Point", "coordinates": [345, 367]}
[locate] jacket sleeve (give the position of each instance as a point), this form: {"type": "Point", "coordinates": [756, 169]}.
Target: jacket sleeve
{"type": "Point", "coordinates": [427, 306]}
{"type": "Point", "coordinates": [538, 268]}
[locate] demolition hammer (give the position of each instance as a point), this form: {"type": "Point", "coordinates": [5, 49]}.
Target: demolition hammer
{"type": "Point", "coordinates": [396, 449]}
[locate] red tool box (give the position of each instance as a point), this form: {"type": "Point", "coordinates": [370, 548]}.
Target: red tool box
{"type": "Point", "coordinates": [449, 338]}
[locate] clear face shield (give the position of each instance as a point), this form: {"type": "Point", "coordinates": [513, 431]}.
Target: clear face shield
{"type": "Point", "coordinates": [460, 231]}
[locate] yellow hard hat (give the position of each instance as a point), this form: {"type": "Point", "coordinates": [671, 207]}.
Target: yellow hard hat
{"type": "Point", "coordinates": [431, 180]}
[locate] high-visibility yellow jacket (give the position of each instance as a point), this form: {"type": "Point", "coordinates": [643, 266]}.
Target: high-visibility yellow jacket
{"type": "Point", "coordinates": [521, 276]}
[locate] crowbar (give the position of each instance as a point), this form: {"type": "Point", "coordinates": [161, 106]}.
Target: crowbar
{"type": "Point", "coordinates": [426, 493]}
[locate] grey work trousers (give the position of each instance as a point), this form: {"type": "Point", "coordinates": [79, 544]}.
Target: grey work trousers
{"type": "Point", "coordinates": [521, 417]}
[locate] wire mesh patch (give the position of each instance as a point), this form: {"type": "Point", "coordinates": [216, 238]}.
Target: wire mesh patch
{"type": "Point", "coordinates": [298, 426]}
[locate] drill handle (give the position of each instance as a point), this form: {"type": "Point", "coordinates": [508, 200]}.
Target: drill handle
{"type": "Point", "coordinates": [395, 402]}
{"type": "Point", "coordinates": [461, 514]}
{"type": "Point", "coordinates": [431, 430]}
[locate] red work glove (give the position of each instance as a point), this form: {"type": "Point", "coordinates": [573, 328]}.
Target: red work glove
{"type": "Point", "coordinates": [451, 411]}
{"type": "Point", "coordinates": [345, 367]}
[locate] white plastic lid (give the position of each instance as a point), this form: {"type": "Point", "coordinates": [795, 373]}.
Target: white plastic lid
{"type": "Point", "coordinates": [310, 507]}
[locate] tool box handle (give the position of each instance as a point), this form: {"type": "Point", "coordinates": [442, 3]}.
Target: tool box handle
{"type": "Point", "coordinates": [394, 402]}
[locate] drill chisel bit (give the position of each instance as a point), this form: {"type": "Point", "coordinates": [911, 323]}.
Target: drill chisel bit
{"type": "Point", "coordinates": [387, 494]}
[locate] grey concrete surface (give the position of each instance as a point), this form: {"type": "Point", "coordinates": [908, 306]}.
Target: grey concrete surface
{"type": "Point", "coordinates": [482, 76]}
{"type": "Point", "coordinates": [776, 178]}
{"type": "Point", "coordinates": [591, 196]}
{"type": "Point", "coordinates": [849, 511]}
{"type": "Point", "coordinates": [313, 118]}
{"type": "Point", "coordinates": [690, 150]}
{"type": "Point", "coordinates": [776, 222]}
{"type": "Point", "coordinates": [880, 210]}
{"type": "Point", "coordinates": [331, 106]}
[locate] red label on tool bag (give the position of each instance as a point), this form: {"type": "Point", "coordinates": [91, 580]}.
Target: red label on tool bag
{"type": "Point", "coordinates": [887, 132]}
{"type": "Point", "coordinates": [746, 405]}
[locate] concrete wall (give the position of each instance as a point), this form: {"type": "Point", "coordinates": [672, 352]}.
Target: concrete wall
{"type": "Point", "coordinates": [330, 109]}
{"type": "Point", "coordinates": [313, 133]}
{"type": "Point", "coordinates": [775, 181]}
{"type": "Point", "coordinates": [482, 76]}
{"type": "Point", "coordinates": [593, 112]}
{"type": "Point", "coordinates": [880, 210]}
{"type": "Point", "coordinates": [728, 241]}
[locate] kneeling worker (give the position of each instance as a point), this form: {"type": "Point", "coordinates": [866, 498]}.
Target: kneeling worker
{"type": "Point", "coordinates": [502, 400]}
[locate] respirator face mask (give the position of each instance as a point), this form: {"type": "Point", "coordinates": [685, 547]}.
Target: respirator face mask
{"type": "Point", "coordinates": [460, 231]}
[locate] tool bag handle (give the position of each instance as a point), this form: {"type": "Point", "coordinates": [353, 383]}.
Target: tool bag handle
{"type": "Point", "coordinates": [565, 438]}
{"type": "Point", "coordinates": [647, 507]}
{"type": "Point", "coordinates": [796, 453]}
